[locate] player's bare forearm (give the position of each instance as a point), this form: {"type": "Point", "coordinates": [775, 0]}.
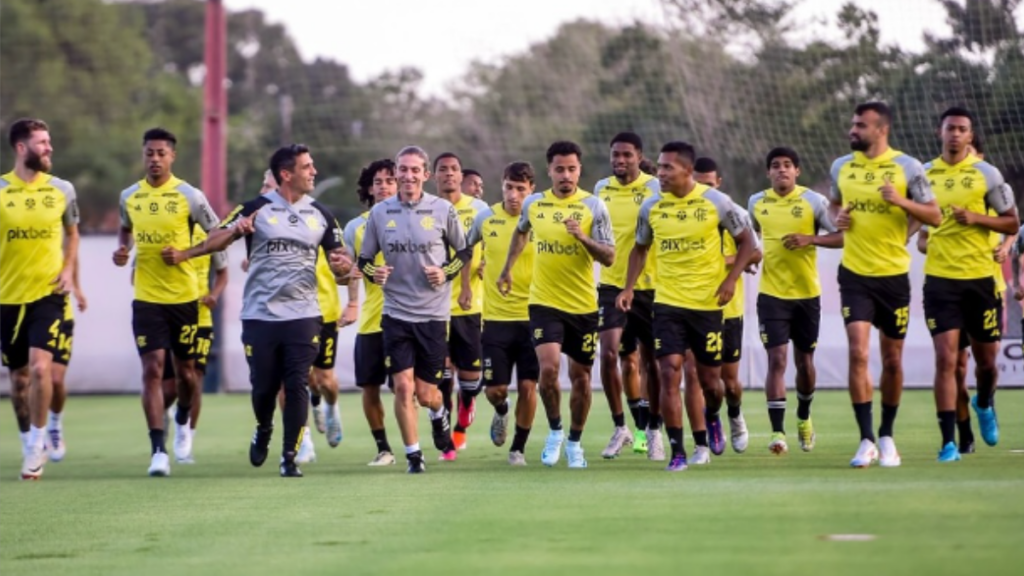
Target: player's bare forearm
{"type": "Point", "coordinates": [745, 249]}
{"type": "Point", "coordinates": [515, 248]}
{"type": "Point", "coordinates": [637, 261]}
{"type": "Point", "coordinates": [217, 241]}
{"type": "Point", "coordinates": [929, 213]}
{"type": "Point", "coordinates": [125, 238]}
{"type": "Point", "coordinates": [1004, 223]}
{"type": "Point", "coordinates": [353, 292]}
{"type": "Point", "coordinates": [464, 277]}
{"type": "Point", "coordinates": [922, 241]}
{"type": "Point", "coordinates": [603, 253]}
{"type": "Point", "coordinates": [833, 240]}
{"type": "Point", "coordinates": [913, 226]}
{"type": "Point", "coordinates": [71, 242]}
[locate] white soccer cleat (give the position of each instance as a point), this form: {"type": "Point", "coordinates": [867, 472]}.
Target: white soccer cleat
{"type": "Point", "coordinates": [738, 433]}
{"type": "Point", "coordinates": [516, 459]}
{"type": "Point", "coordinates": [499, 428]}
{"type": "Point", "coordinates": [867, 454]}
{"type": "Point", "coordinates": [160, 465]}
{"type": "Point", "coordinates": [33, 462]}
{"type": "Point", "coordinates": [307, 452]}
{"type": "Point", "coordinates": [701, 456]}
{"type": "Point", "coordinates": [55, 448]}
{"type": "Point", "coordinates": [182, 442]}
{"type": "Point", "coordinates": [655, 445]}
{"type": "Point", "coordinates": [621, 437]}
{"type": "Point", "coordinates": [382, 459]}
{"type": "Point", "coordinates": [320, 417]}
{"type": "Point", "coordinates": [888, 456]}
{"type": "Point", "coordinates": [333, 417]}
{"type": "Point", "coordinates": [574, 454]}
{"type": "Point", "coordinates": [552, 448]}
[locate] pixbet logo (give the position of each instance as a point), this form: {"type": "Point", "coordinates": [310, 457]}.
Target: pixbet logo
{"type": "Point", "coordinates": [29, 234]}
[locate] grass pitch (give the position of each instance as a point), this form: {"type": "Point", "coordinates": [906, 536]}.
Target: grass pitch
{"type": "Point", "coordinates": [98, 513]}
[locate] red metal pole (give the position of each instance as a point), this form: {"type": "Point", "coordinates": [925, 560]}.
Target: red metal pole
{"type": "Point", "coordinates": [215, 109]}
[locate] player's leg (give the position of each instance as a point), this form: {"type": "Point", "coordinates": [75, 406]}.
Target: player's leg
{"type": "Point", "coordinates": [527, 372]}
{"type": "Point", "coordinates": [636, 354]}
{"type": "Point", "coordinates": [732, 351]}
{"type": "Point", "coordinates": [547, 334]}
{"type": "Point", "coordinates": [704, 339]}
{"type": "Point", "coordinates": [262, 353]}
{"type": "Point", "coordinates": [152, 338]}
{"type": "Point", "coordinates": [299, 349]}
{"type": "Point", "coordinates": [204, 343]}
{"type": "Point", "coordinates": [430, 351]}
{"type": "Point", "coordinates": [611, 322]}
{"type": "Point", "coordinates": [580, 346]}
{"type": "Point", "coordinates": [14, 348]}
{"type": "Point", "coordinates": [858, 308]}
{"type": "Point", "coordinates": [963, 396]}
{"type": "Point", "coordinates": [693, 399]}
{"type": "Point", "coordinates": [55, 444]}
{"type": "Point", "coordinates": [21, 383]}
{"type": "Point", "coordinates": [326, 382]}
{"type": "Point", "coordinates": [466, 355]}
{"type": "Point", "coordinates": [183, 320]}
{"type": "Point", "coordinates": [370, 375]}
{"type": "Point", "coordinates": [983, 320]}
{"type": "Point", "coordinates": [399, 359]}
{"type": "Point", "coordinates": [806, 315]}
{"type": "Point", "coordinates": [775, 317]}
{"type": "Point", "coordinates": [670, 348]}
{"type": "Point", "coordinates": [651, 382]}
{"type": "Point", "coordinates": [447, 386]}
{"type": "Point", "coordinates": [498, 345]}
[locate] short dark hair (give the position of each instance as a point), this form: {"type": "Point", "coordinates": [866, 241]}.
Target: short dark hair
{"type": "Point", "coordinates": [782, 152]}
{"type": "Point", "coordinates": [159, 134]}
{"type": "Point", "coordinates": [628, 138]}
{"type": "Point", "coordinates": [519, 172]}
{"type": "Point", "coordinates": [564, 148]}
{"type": "Point", "coordinates": [682, 149]}
{"type": "Point", "coordinates": [647, 166]}
{"type": "Point", "coordinates": [366, 178]}
{"type": "Point", "coordinates": [880, 108]}
{"type": "Point", "coordinates": [444, 155]}
{"type": "Point", "coordinates": [978, 142]}
{"type": "Point", "coordinates": [23, 128]}
{"type": "Point", "coordinates": [959, 112]}
{"type": "Point", "coordinates": [705, 165]}
{"type": "Point", "coordinates": [471, 172]}
{"type": "Point", "coordinates": [284, 159]}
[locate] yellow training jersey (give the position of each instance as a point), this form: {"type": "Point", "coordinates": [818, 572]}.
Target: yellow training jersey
{"type": "Point", "coordinates": [735, 307]}
{"type": "Point", "coordinates": [685, 236]}
{"type": "Point", "coordinates": [957, 251]}
{"type": "Point", "coordinates": [876, 243]}
{"type": "Point", "coordinates": [623, 202]}
{"type": "Point", "coordinates": [373, 304]}
{"type": "Point", "coordinates": [995, 239]}
{"type": "Point", "coordinates": [467, 209]}
{"type": "Point", "coordinates": [33, 216]}
{"type": "Point", "coordinates": [494, 228]}
{"type": "Point", "coordinates": [327, 290]}
{"type": "Point", "coordinates": [563, 270]}
{"type": "Point", "coordinates": [160, 217]}
{"type": "Point", "coordinates": [203, 264]}
{"type": "Point", "coordinates": [789, 274]}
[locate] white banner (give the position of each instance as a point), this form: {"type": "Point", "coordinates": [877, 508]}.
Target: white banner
{"type": "Point", "coordinates": [105, 358]}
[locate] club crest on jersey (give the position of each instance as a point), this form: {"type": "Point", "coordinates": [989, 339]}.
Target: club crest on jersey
{"type": "Point", "coordinates": [313, 223]}
{"type": "Point", "coordinates": [427, 223]}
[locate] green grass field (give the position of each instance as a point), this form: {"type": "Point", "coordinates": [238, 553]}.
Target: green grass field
{"type": "Point", "coordinates": [98, 513]}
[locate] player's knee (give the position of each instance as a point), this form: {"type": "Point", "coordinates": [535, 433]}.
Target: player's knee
{"type": "Point", "coordinates": [777, 359]}
{"type": "Point", "coordinates": [858, 356]}
{"type": "Point", "coordinates": [609, 357]}
{"type": "Point", "coordinates": [40, 369]}
{"type": "Point", "coordinates": [549, 374]}
{"type": "Point", "coordinates": [496, 394]}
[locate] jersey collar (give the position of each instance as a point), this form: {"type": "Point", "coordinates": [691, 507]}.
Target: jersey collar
{"type": "Point", "coordinates": [771, 193]}
{"type": "Point", "coordinates": [889, 154]}
{"type": "Point", "coordinates": [41, 178]}
{"type": "Point", "coordinates": [969, 160]}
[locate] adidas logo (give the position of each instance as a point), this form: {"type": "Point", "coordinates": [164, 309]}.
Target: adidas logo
{"type": "Point", "coordinates": [493, 234]}
{"type": "Point", "coordinates": [10, 204]}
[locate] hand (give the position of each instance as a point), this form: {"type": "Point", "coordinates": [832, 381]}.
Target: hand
{"type": "Point", "coordinates": [466, 299]}
{"type": "Point", "coordinates": [65, 281]}
{"type": "Point", "coordinates": [435, 275]}
{"type": "Point", "coordinates": [1000, 253]}
{"type": "Point", "coordinates": [210, 301]}
{"type": "Point", "coordinates": [624, 301]}
{"type": "Point", "coordinates": [83, 304]}
{"type": "Point", "coordinates": [339, 261]}
{"type": "Point", "coordinates": [172, 256]}
{"type": "Point", "coordinates": [751, 268]}
{"type": "Point", "coordinates": [844, 220]}
{"type": "Point", "coordinates": [245, 265]}
{"type": "Point", "coordinates": [725, 292]}
{"type": "Point", "coordinates": [121, 256]}
{"type": "Point", "coordinates": [573, 228]}
{"type": "Point", "coordinates": [381, 273]}
{"type": "Point", "coordinates": [890, 194]}
{"type": "Point", "coordinates": [1018, 294]}
{"type": "Point", "coordinates": [505, 282]}
{"type": "Point", "coordinates": [246, 226]}
{"type": "Point", "coordinates": [963, 216]}
{"type": "Point", "coordinates": [350, 315]}
{"type": "Point", "coordinates": [480, 270]}
{"type": "Point", "coordinates": [797, 241]}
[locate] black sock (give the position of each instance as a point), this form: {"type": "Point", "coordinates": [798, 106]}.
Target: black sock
{"type": "Point", "coordinates": [519, 440]}
{"type": "Point", "coordinates": [619, 420]}
{"type": "Point", "coordinates": [555, 423]}
{"type": "Point", "coordinates": [502, 408]}
{"type": "Point", "coordinates": [181, 415]}
{"type": "Point", "coordinates": [888, 418]}
{"type": "Point", "coordinates": [381, 438]}
{"type": "Point", "coordinates": [417, 455]}
{"type": "Point", "coordinates": [654, 422]}
{"type": "Point", "coordinates": [947, 424]}
{"type": "Point", "coordinates": [314, 399]}
{"type": "Point", "coordinates": [575, 435]}
{"type": "Point", "coordinates": [635, 407]}
{"type": "Point", "coordinates": [777, 414]}
{"type": "Point", "coordinates": [733, 411]}
{"type": "Point", "coordinates": [699, 438]}
{"type": "Point", "coordinates": [643, 415]}
{"type": "Point", "coordinates": [966, 434]}
{"type": "Point", "coordinates": [803, 405]}
{"type": "Point", "coordinates": [446, 393]}
{"type": "Point", "coordinates": [984, 397]}
{"type": "Point", "coordinates": [156, 440]}
{"type": "Point", "coordinates": [459, 428]}
{"type": "Point", "coordinates": [863, 413]}
{"type": "Point", "coordinates": [675, 440]}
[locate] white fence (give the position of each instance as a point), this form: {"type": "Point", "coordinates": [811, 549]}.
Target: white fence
{"type": "Point", "coordinates": [105, 358]}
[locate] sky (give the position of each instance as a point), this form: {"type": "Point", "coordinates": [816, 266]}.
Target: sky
{"type": "Point", "coordinates": [374, 36]}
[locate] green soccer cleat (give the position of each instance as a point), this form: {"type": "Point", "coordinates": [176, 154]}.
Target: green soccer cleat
{"type": "Point", "coordinates": [639, 442]}
{"type": "Point", "coordinates": [805, 431]}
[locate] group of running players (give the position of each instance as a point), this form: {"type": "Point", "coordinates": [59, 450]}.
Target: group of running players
{"type": "Point", "coordinates": [460, 291]}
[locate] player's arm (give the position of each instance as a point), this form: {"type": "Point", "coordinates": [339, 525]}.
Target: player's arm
{"type": "Point", "coordinates": [199, 211]}
{"type": "Point", "coordinates": [733, 222]}
{"type": "Point", "coordinates": [219, 265]}
{"type": "Point", "coordinates": [516, 245]}
{"type": "Point", "coordinates": [473, 237]}
{"type": "Point", "coordinates": [922, 240]}
{"type": "Point", "coordinates": [1000, 199]}
{"type": "Point", "coordinates": [239, 223]}
{"type": "Point", "coordinates": [1016, 254]}
{"type": "Point", "coordinates": [919, 201]}
{"type": "Point", "coordinates": [66, 281]}
{"type": "Point", "coordinates": [638, 255]}
{"type": "Point", "coordinates": [600, 243]}
{"type": "Point", "coordinates": [125, 239]}
{"type": "Point", "coordinates": [833, 237]}
{"type": "Point", "coordinates": [368, 252]}
{"type": "Point", "coordinates": [350, 315]}
{"type": "Point", "coordinates": [332, 244]}
{"type": "Point", "coordinates": [461, 252]}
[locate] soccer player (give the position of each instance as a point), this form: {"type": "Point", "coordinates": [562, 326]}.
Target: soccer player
{"type": "Point", "coordinates": [417, 233]}
{"type": "Point", "coordinates": [473, 183]}
{"type": "Point", "coordinates": [960, 288]}
{"type": "Point", "coordinates": [157, 216]}
{"type": "Point", "coordinates": [506, 336]}
{"type": "Point", "coordinates": [789, 218]}
{"type": "Point", "coordinates": [464, 350]}
{"type": "Point", "coordinates": [705, 171]}
{"type": "Point", "coordinates": [55, 445]}
{"type": "Point", "coordinates": [622, 334]}
{"type": "Point", "coordinates": [873, 191]}
{"type": "Point", "coordinates": [571, 228]}
{"type": "Point", "coordinates": [684, 225]}
{"type": "Point", "coordinates": [284, 231]}
{"type": "Point", "coordinates": [376, 184]}
{"type": "Point", "coordinates": [324, 380]}
{"type": "Point", "coordinates": [38, 257]}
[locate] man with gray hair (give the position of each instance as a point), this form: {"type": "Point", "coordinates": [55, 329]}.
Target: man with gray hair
{"type": "Point", "coordinates": [415, 232]}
